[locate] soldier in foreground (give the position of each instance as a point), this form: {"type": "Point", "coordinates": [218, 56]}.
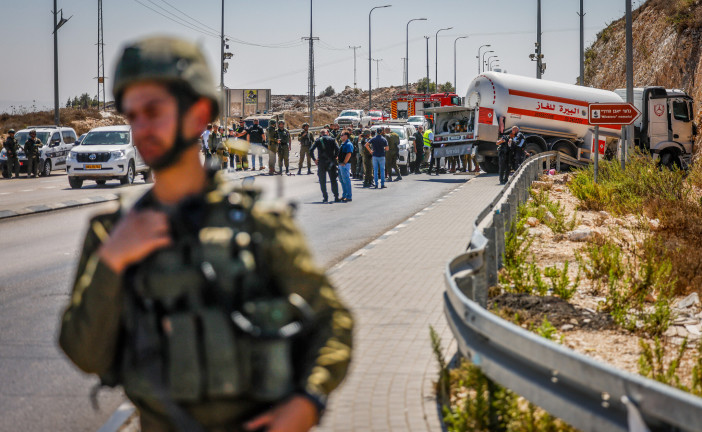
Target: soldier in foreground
{"type": "Point", "coordinates": [11, 145]}
{"type": "Point", "coordinates": [32, 148]}
{"type": "Point", "coordinates": [205, 307]}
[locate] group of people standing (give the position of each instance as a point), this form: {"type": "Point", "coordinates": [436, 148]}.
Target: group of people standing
{"type": "Point", "coordinates": [511, 153]}
{"type": "Point", "coordinates": [32, 149]}
{"type": "Point", "coordinates": [276, 138]}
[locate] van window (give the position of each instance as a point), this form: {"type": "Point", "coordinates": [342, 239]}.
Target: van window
{"type": "Point", "coordinates": [69, 137]}
{"type": "Point", "coordinates": [680, 111]}
{"type": "Point", "coordinates": [55, 137]}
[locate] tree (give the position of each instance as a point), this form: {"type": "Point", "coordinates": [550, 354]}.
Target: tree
{"type": "Point", "coordinates": [426, 86]}
{"type": "Point", "coordinates": [329, 91]}
{"type": "Point", "coordinates": [447, 87]}
{"type": "Point", "coordinates": [68, 103]}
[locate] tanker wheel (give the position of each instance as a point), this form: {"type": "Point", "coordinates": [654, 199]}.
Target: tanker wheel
{"type": "Point", "coordinates": [532, 148]}
{"type": "Point", "coordinates": [490, 165]}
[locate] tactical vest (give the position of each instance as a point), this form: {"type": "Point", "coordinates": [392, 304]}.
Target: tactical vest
{"type": "Point", "coordinates": [427, 140]}
{"type": "Point", "coordinates": [203, 318]}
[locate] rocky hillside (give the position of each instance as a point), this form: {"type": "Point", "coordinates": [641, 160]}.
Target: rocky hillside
{"type": "Point", "coordinates": [667, 49]}
{"type": "Point", "coordinates": [328, 107]}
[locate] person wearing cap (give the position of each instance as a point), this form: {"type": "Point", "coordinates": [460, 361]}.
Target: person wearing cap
{"type": "Point", "coordinates": [345, 155]}
{"type": "Point", "coordinates": [306, 138]}
{"type": "Point", "coordinates": [201, 302]}
{"type": "Point", "coordinates": [378, 146]}
{"type": "Point", "coordinates": [283, 140]}
{"type": "Point", "coordinates": [256, 136]}
{"type": "Point", "coordinates": [11, 146]}
{"type": "Point", "coordinates": [327, 164]}
{"type": "Point", "coordinates": [32, 149]}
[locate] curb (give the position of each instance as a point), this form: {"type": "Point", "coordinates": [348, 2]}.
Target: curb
{"type": "Point", "coordinates": [43, 208]}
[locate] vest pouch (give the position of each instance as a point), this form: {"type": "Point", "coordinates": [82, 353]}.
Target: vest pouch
{"type": "Point", "coordinates": [184, 369]}
{"type": "Point", "coordinates": [227, 356]}
{"type": "Point", "coordinates": [272, 371]}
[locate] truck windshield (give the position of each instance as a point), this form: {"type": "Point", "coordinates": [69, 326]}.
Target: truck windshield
{"type": "Point", "coordinates": [416, 119]}
{"type": "Point", "coordinates": [106, 138]}
{"type": "Point", "coordinates": [375, 114]}
{"type": "Point", "coordinates": [348, 114]}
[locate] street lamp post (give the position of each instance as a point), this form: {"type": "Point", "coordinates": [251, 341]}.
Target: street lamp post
{"type": "Point", "coordinates": [488, 61]}
{"type": "Point", "coordinates": [370, 56]}
{"type": "Point", "coordinates": [478, 57]}
{"type": "Point", "coordinates": [436, 57]}
{"type": "Point", "coordinates": [490, 65]}
{"type": "Point", "coordinates": [407, 52]}
{"type": "Point", "coordinates": [483, 62]}
{"type": "Point", "coordinates": [455, 87]}
{"type": "Point", "coordinates": [57, 26]}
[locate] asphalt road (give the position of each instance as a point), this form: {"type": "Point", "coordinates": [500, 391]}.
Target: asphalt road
{"type": "Point", "coordinates": [41, 390]}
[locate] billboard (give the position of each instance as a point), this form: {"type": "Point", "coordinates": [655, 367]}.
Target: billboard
{"type": "Point", "coordinates": [246, 102]}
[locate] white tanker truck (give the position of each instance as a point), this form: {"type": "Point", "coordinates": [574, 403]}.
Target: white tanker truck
{"type": "Point", "coordinates": [554, 116]}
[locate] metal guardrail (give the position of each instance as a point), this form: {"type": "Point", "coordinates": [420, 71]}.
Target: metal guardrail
{"type": "Point", "coordinates": [589, 395]}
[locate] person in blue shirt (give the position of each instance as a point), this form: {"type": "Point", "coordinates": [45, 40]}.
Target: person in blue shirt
{"type": "Point", "coordinates": [377, 147]}
{"type": "Point", "coordinates": [345, 154]}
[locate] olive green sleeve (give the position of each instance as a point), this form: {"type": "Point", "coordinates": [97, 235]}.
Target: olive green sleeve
{"type": "Point", "coordinates": [329, 342]}
{"type": "Point", "coordinates": [91, 322]}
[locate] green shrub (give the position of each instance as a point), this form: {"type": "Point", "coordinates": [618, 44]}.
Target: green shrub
{"type": "Point", "coordinates": [560, 282]}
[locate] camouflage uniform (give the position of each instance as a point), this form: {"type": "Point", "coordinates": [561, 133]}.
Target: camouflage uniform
{"type": "Point", "coordinates": [392, 155]}
{"type": "Point", "coordinates": [283, 140]}
{"type": "Point", "coordinates": [272, 146]}
{"type": "Point", "coordinates": [367, 160]}
{"type": "Point", "coordinates": [218, 147]}
{"type": "Point", "coordinates": [11, 146]}
{"type": "Point", "coordinates": [32, 149]}
{"type": "Point", "coordinates": [306, 139]}
{"type": "Point", "coordinates": [230, 319]}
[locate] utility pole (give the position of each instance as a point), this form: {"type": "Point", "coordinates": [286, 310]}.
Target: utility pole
{"type": "Point", "coordinates": [221, 74]}
{"type": "Point", "coordinates": [538, 39]}
{"type": "Point", "coordinates": [427, 90]}
{"type": "Point", "coordinates": [377, 72]}
{"type": "Point", "coordinates": [629, 81]}
{"type": "Point", "coordinates": [354, 48]}
{"type": "Point", "coordinates": [310, 74]}
{"type": "Point", "coordinates": [57, 25]}
{"type": "Point", "coordinates": [404, 68]}
{"type": "Point", "coordinates": [101, 59]}
{"type": "Point", "coordinates": [582, 45]}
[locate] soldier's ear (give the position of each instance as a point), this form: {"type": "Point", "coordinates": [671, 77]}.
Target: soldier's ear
{"type": "Point", "coordinates": [196, 117]}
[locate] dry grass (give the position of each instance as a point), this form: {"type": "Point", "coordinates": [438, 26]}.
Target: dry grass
{"type": "Point", "coordinates": [82, 120]}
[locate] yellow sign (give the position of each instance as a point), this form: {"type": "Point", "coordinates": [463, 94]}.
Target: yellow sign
{"type": "Point", "coordinates": [251, 97]}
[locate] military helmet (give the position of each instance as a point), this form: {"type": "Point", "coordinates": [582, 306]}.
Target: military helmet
{"type": "Point", "coordinates": [366, 132]}
{"type": "Point", "coordinates": [166, 60]}
{"type": "Point", "coordinates": [281, 122]}
{"type": "Point", "coordinates": [357, 131]}
{"type": "Point", "coordinates": [305, 124]}
{"type": "Point", "coordinates": [11, 131]}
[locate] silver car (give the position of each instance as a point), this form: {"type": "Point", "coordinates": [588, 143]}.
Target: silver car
{"type": "Point", "coordinates": [406, 147]}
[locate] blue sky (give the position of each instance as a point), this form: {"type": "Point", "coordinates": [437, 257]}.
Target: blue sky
{"type": "Point", "coordinates": [509, 26]}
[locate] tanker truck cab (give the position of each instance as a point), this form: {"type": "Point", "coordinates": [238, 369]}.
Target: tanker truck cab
{"type": "Point", "coordinates": [665, 127]}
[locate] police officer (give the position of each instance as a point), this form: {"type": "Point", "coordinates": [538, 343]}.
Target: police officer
{"type": "Point", "coordinates": [518, 147]}
{"type": "Point", "coordinates": [306, 139]}
{"type": "Point", "coordinates": [11, 146]}
{"type": "Point", "coordinates": [326, 161]}
{"type": "Point", "coordinates": [201, 303]}
{"type": "Point", "coordinates": [394, 153]}
{"type": "Point", "coordinates": [283, 140]}
{"type": "Point", "coordinates": [418, 147]}
{"type": "Point", "coordinates": [367, 159]}
{"type": "Point", "coordinates": [272, 145]}
{"type": "Point", "coordinates": [356, 164]}
{"type": "Point", "coordinates": [503, 157]}
{"type": "Point", "coordinates": [32, 148]}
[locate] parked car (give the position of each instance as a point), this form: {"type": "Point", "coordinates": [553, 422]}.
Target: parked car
{"type": "Point", "coordinates": [376, 117]}
{"type": "Point", "coordinates": [406, 154]}
{"type": "Point", "coordinates": [56, 141]}
{"type": "Point", "coordinates": [80, 138]}
{"type": "Point", "coordinates": [353, 118]}
{"type": "Point", "coordinates": [106, 153]}
{"type": "Point", "coordinates": [418, 120]}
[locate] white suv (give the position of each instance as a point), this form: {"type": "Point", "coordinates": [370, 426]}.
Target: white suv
{"type": "Point", "coordinates": [106, 153]}
{"type": "Point", "coordinates": [406, 148]}
{"type": "Point", "coordinates": [56, 142]}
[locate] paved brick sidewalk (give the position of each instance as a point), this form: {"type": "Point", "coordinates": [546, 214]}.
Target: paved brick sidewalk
{"type": "Point", "coordinates": [394, 287]}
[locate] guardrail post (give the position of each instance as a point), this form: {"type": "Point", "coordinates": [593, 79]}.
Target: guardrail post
{"type": "Point", "coordinates": [491, 264]}
{"type": "Point", "coordinates": [558, 162]}
{"type": "Point", "coordinates": [499, 222]}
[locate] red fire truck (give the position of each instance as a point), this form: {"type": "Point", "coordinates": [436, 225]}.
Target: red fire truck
{"type": "Point", "coordinates": [405, 105]}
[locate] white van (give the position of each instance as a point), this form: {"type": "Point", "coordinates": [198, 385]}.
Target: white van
{"type": "Point", "coordinates": [56, 142]}
{"type": "Point", "coordinates": [106, 153]}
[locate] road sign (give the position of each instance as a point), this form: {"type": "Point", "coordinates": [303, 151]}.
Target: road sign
{"type": "Point", "coordinates": [612, 114]}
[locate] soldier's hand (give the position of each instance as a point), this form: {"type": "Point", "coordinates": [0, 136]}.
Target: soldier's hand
{"type": "Point", "coordinates": [134, 238]}
{"type": "Point", "coordinates": [296, 415]}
